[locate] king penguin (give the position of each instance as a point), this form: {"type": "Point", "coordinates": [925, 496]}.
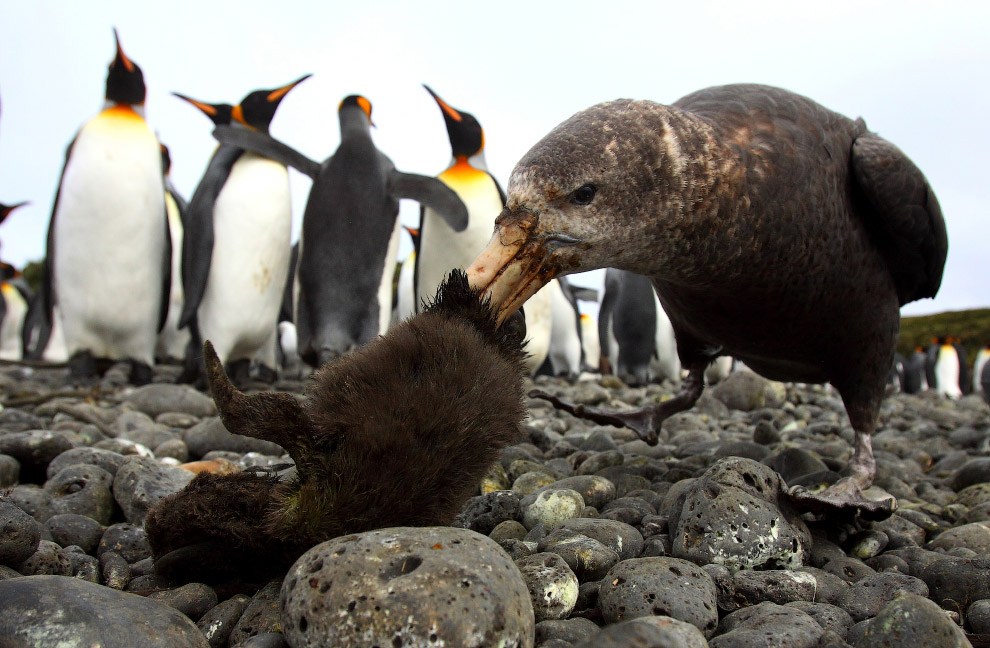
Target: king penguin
{"type": "Point", "coordinates": [108, 241]}
{"type": "Point", "coordinates": [442, 248]}
{"type": "Point", "coordinates": [172, 340]}
{"type": "Point", "coordinates": [13, 309]}
{"type": "Point", "coordinates": [236, 248]}
{"type": "Point", "coordinates": [947, 370]}
{"type": "Point", "coordinates": [405, 289]}
{"type": "Point", "coordinates": [981, 360]}
{"type": "Point", "coordinates": [350, 235]}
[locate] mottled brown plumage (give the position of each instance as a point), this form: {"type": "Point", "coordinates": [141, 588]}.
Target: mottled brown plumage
{"type": "Point", "coordinates": [774, 230]}
{"type": "Point", "coordinates": [397, 433]}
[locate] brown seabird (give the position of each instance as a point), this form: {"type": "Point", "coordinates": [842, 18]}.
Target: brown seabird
{"type": "Point", "coordinates": [774, 230]}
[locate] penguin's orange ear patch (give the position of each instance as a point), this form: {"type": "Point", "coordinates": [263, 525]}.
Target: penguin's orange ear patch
{"type": "Point", "coordinates": [365, 106]}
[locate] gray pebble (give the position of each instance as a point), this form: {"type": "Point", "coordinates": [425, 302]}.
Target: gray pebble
{"type": "Point", "coordinates": [974, 536]}
{"type": "Point", "coordinates": [73, 529]}
{"type": "Point", "coordinates": [767, 625]}
{"type": "Point", "coordinates": [49, 560]}
{"type": "Point", "coordinates": [865, 598]}
{"type": "Point", "coordinates": [588, 558]}
{"type": "Point", "coordinates": [448, 585]}
{"type": "Point", "coordinates": [742, 390]}
{"type": "Point", "coordinates": [978, 617]}
{"type": "Point", "coordinates": [83, 490]}
{"type": "Point", "coordinates": [530, 482]}
{"type": "Point", "coordinates": [10, 470]}
{"type": "Point", "coordinates": [509, 529]}
{"type": "Point", "coordinates": [596, 491]}
{"type": "Point", "coordinates": [829, 617]}
{"type": "Point", "coordinates": [912, 621]}
{"type": "Point", "coordinates": [974, 471]}
{"type": "Point", "coordinates": [734, 515]}
{"type": "Point", "coordinates": [217, 624]}
{"type": "Point", "coordinates": [141, 482]}
{"type": "Point", "coordinates": [648, 632]}
{"type": "Point", "coordinates": [105, 459]}
{"type": "Point", "coordinates": [115, 570]}
{"type": "Point", "coordinates": [660, 586]}
{"type": "Point", "coordinates": [158, 398]}
{"type": "Point", "coordinates": [193, 599]}
{"type": "Point", "coordinates": [264, 640]}
{"type": "Point", "coordinates": [621, 538]}
{"type": "Point", "coordinates": [553, 587]}
{"type": "Point", "coordinates": [19, 534]}
{"type": "Point", "coordinates": [54, 611]}
{"type": "Point", "coordinates": [848, 569]}
{"type": "Point", "coordinates": [260, 616]}
{"type": "Point", "coordinates": [570, 630]}
{"type": "Point", "coordinates": [551, 507]}
{"type": "Point", "coordinates": [34, 449]}
{"type": "Point", "coordinates": [484, 512]}
{"type": "Point", "coordinates": [210, 434]}
{"type": "Point", "coordinates": [128, 540]}
{"type": "Point", "coordinates": [174, 448]}
{"type": "Point", "coordinates": [955, 583]}
{"type": "Point", "coordinates": [747, 587]}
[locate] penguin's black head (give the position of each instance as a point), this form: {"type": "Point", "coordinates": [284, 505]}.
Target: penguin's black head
{"type": "Point", "coordinates": [219, 114]}
{"type": "Point", "coordinates": [125, 81]}
{"type": "Point", "coordinates": [6, 209]}
{"type": "Point", "coordinates": [359, 101]}
{"type": "Point", "coordinates": [466, 136]}
{"type": "Point", "coordinates": [257, 109]}
{"type": "Point", "coordinates": [8, 272]}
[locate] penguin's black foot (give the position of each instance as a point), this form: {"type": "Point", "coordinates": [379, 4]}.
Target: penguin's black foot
{"type": "Point", "coordinates": [266, 374]}
{"type": "Point", "coordinates": [82, 368]}
{"type": "Point", "coordinates": [240, 372]}
{"type": "Point", "coordinates": [843, 501]}
{"type": "Point", "coordinates": [141, 373]}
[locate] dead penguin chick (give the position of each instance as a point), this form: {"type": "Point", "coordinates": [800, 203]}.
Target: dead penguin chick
{"type": "Point", "coordinates": [397, 433]}
{"type": "Point", "coordinates": [774, 230]}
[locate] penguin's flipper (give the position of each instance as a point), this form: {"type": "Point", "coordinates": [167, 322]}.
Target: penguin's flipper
{"type": "Point", "coordinates": [584, 294]}
{"type": "Point", "coordinates": [906, 218]}
{"type": "Point", "coordinates": [166, 275]}
{"type": "Point", "coordinates": [265, 145]}
{"type": "Point", "coordinates": [47, 269]}
{"type": "Point", "coordinates": [197, 238]}
{"type": "Point", "coordinates": [430, 192]}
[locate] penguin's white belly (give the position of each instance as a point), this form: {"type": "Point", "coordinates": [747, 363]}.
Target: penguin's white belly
{"type": "Point", "coordinates": [385, 285]}
{"type": "Point", "coordinates": [590, 342]}
{"type": "Point", "coordinates": [110, 239]}
{"type": "Point", "coordinates": [172, 341]}
{"type": "Point", "coordinates": [981, 359]}
{"type": "Point", "coordinates": [947, 373]}
{"type": "Point", "coordinates": [406, 305]}
{"type": "Point", "coordinates": [565, 345]}
{"type": "Point", "coordinates": [538, 325]}
{"type": "Point", "coordinates": [13, 324]}
{"type": "Point", "coordinates": [667, 364]}
{"type": "Point", "coordinates": [251, 228]}
{"type": "Point", "coordinates": [441, 249]}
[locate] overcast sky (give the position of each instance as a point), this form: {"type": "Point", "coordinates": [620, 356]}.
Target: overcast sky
{"type": "Point", "coordinates": [916, 71]}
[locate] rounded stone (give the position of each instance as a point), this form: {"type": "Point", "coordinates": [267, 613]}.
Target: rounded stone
{"type": "Point", "coordinates": [69, 529]}
{"type": "Point", "coordinates": [955, 583]}
{"type": "Point", "coordinates": [34, 449]}
{"type": "Point", "coordinates": [83, 490]}
{"type": "Point", "coordinates": [570, 630]}
{"type": "Point", "coordinates": [446, 585]}
{"type": "Point", "coordinates": [737, 515]}
{"type": "Point", "coordinates": [912, 621]}
{"type": "Point", "coordinates": [261, 616]}
{"type": "Point", "coordinates": [217, 623]}
{"type": "Point", "coordinates": [10, 470]}
{"type": "Point", "coordinates": [158, 398]}
{"type": "Point", "coordinates": [49, 559]}
{"type": "Point", "coordinates": [19, 534]}
{"type": "Point", "coordinates": [768, 625]}
{"type": "Point", "coordinates": [484, 512]}
{"type": "Point", "coordinates": [551, 507]}
{"type": "Point", "coordinates": [975, 536]}
{"type": "Point", "coordinates": [193, 599]}
{"type": "Point", "coordinates": [530, 482]}
{"type": "Point", "coordinates": [620, 537]}
{"type": "Point", "coordinates": [588, 558]}
{"type": "Point", "coordinates": [596, 491]}
{"type": "Point", "coordinates": [661, 587]}
{"type": "Point", "coordinates": [866, 597]}
{"type": "Point", "coordinates": [128, 540]}
{"type": "Point", "coordinates": [210, 434]}
{"type": "Point", "coordinates": [553, 587]}
{"type": "Point", "coordinates": [978, 617]}
{"type": "Point", "coordinates": [142, 481]}
{"type": "Point", "coordinates": [42, 611]}
{"type": "Point", "coordinates": [649, 631]}
{"type": "Point", "coordinates": [974, 471]}
{"type": "Point", "coordinates": [105, 459]}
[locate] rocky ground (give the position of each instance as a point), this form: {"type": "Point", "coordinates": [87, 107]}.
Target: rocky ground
{"type": "Point", "coordinates": [581, 536]}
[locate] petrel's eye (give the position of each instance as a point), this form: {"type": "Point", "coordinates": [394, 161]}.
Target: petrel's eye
{"type": "Point", "coordinates": [584, 194]}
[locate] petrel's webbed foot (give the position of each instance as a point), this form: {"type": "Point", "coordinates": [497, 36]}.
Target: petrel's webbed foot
{"type": "Point", "coordinates": [847, 499]}
{"type": "Point", "coordinates": [644, 421]}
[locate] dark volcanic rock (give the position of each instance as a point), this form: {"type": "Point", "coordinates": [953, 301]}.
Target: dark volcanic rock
{"type": "Point", "coordinates": [19, 534]}
{"type": "Point", "coordinates": [767, 625]}
{"type": "Point", "coordinates": [83, 490]}
{"type": "Point", "coordinates": [912, 621]}
{"type": "Point", "coordinates": [46, 611]}
{"type": "Point", "coordinates": [445, 585]}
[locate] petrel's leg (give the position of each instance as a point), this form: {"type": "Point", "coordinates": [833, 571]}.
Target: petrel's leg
{"type": "Point", "coordinates": [645, 421]}
{"type": "Point", "coordinates": [847, 497]}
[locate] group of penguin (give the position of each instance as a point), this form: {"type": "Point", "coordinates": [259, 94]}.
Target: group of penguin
{"type": "Point", "coordinates": [134, 272]}
{"type": "Point", "coordinates": [943, 367]}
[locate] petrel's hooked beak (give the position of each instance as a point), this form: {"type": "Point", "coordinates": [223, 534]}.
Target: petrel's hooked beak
{"type": "Point", "coordinates": [513, 267]}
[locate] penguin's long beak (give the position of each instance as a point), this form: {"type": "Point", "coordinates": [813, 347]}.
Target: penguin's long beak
{"type": "Point", "coordinates": [121, 57]}
{"type": "Point", "coordinates": [5, 210]}
{"type": "Point", "coordinates": [444, 106]}
{"type": "Point", "coordinates": [209, 109]}
{"type": "Point", "coordinates": [277, 94]}
{"type": "Point", "coordinates": [514, 265]}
